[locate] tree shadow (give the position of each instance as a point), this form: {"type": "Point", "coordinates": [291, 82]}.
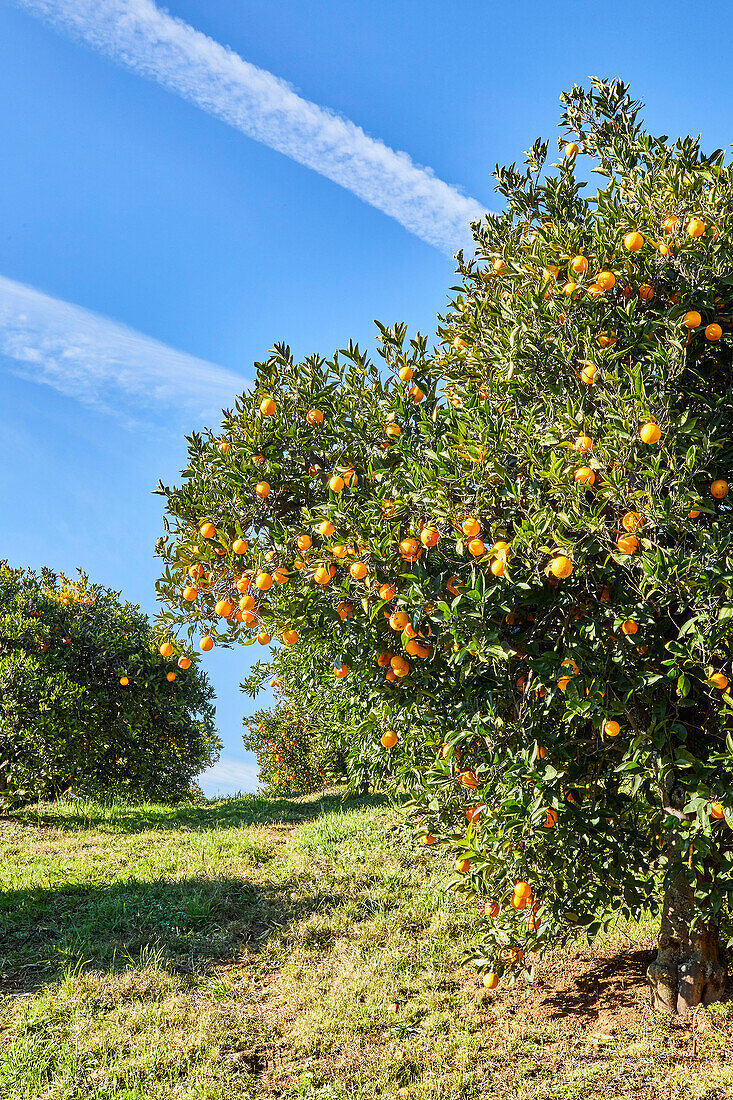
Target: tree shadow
{"type": "Point", "coordinates": [602, 986]}
{"type": "Point", "coordinates": [229, 813]}
{"type": "Point", "coordinates": [187, 926]}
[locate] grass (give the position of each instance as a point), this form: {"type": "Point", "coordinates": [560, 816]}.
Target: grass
{"type": "Point", "coordinates": [298, 948]}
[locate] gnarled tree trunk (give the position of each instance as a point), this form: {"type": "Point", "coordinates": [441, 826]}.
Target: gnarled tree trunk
{"type": "Point", "coordinates": [687, 970]}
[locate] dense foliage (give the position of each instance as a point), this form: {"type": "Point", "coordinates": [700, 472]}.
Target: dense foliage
{"type": "Point", "coordinates": [299, 748]}
{"type": "Point", "coordinates": [87, 702]}
{"type": "Point", "coordinates": [515, 549]}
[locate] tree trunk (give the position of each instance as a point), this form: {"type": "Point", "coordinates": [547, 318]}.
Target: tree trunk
{"type": "Point", "coordinates": [687, 970]}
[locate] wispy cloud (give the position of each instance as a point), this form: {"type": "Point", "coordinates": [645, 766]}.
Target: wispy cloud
{"type": "Point", "coordinates": [139, 35]}
{"type": "Point", "coordinates": [103, 363]}
{"type": "Point", "coordinates": [229, 776]}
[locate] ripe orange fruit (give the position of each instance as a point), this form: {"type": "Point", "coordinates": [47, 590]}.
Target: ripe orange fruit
{"type": "Point", "coordinates": [263, 581]}
{"type": "Point", "coordinates": [207, 530]}
{"type": "Point", "coordinates": [561, 566]}
{"type": "Point", "coordinates": [281, 576]}
{"type": "Point", "coordinates": [463, 866]}
{"type": "Point", "coordinates": [470, 526]}
{"type": "Point", "coordinates": [650, 432]}
{"type": "Point", "coordinates": [244, 584]}
{"type": "Point", "coordinates": [429, 839]}
{"type": "Point", "coordinates": [633, 242]}
{"type": "Point", "coordinates": [719, 489]}
{"type": "Point", "coordinates": [490, 979]}
{"type": "Point", "coordinates": [240, 546]}
{"type": "Point", "coordinates": [358, 570]}
{"type": "Point", "coordinates": [579, 264]}
{"type": "Point", "coordinates": [124, 681]}
{"type": "Point", "coordinates": [607, 339]}
{"type": "Point", "coordinates": [224, 447]}
{"type": "Point", "coordinates": [206, 643]}
{"type": "Point", "coordinates": [670, 223]}
{"type": "Point", "coordinates": [499, 266]}
{"type": "Point", "coordinates": [389, 739]}
{"type": "Point", "coordinates": [166, 649]}
{"type": "Point", "coordinates": [469, 780]}
{"type": "Point", "coordinates": [398, 620]}
{"type": "Point", "coordinates": [632, 521]}
{"type": "Point", "coordinates": [583, 444]}
{"type": "Point", "coordinates": [383, 659]}
{"type": "Point", "coordinates": [550, 820]}
{"type": "Point", "coordinates": [606, 280]}
{"type": "Point", "coordinates": [719, 681]}
{"type": "Point", "coordinates": [268, 407]}
{"type": "Point", "coordinates": [717, 811]}
{"type": "Point", "coordinates": [410, 549]}
{"type": "Point", "coordinates": [611, 728]}
{"type": "Point", "coordinates": [695, 227]}
{"type": "Point", "coordinates": [646, 292]}
{"type": "Point", "coordinates": [588, 374]}
{"type": "Point", "coordinates": [713, 332]}
{"type": "Point", "coordinates": [692, 319]}
{"type": "Point", "coordinates": [336, 483]}
{"type": "Point", "coordinates": [290, 637]}
{"type": "Point", "coordinates": [522, 890]}
{"type": "Point", "coordinates": [393, 431]}
{"type": "Point", "coordinates": [184, 662]}
{"type": "Point", "coordinates": [190, 593]}
{"type": "Point", "coordinates": [326, 528]}
{"type": "Point", "coordinates": [629, 626]}
{"type": "Point", "coordinates": [476, 547]}
{"type": "Point", "coordinates": [314, 416]}
{"type": "Point", "coordinates": [262, 489]}
{"type": "Point", "coordinates": [473, 813]}
{"type": "Point", "coordinates": [570, 288]}
{"type": "Point", "coordinates": [627, 544]}
{"type": "Point", "coordinates": [305, 542]}
{"type": "Point", "coordinates": [430, 536]}
{"type": "Point", "coordinates": [387, 592]}
{"type": "Point", "coordinates": [416, 394]}
{"type": "Point", "coordinates": [406, 373]}
{"type": "Point", "coordinates": [345, 611]}
{"type": "Point", "coordinates": [170, 676]}
{"type": "Point", "coordinates": [491, 909]}
{"type": "Point", "coordinates": [322, 575]}
{"type": "Point", "coordinates": [341, 672]}
{"type": "Point", "coordinates": [224, 608]}
{"type": "Point", "coordinates": [498, 567]}
{"type": "Point", "coordinates": [584, 475]}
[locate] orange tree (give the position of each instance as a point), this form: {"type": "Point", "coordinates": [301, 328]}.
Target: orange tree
{"type": "Point", "coordinates": [87, 702]}
{"type": "Point", "coordinates": [299, 747]}
{"type": "Point", "coordinates": [516, 548]}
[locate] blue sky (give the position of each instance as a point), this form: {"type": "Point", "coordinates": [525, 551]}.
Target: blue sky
{"type": "Point", "coordinates": [203, 247]}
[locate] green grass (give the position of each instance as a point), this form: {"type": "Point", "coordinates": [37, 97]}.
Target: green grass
{"type": "Point", "coordinates": [298, 948]}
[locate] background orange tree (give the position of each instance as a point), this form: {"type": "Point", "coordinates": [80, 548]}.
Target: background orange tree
{"type": "Point", "coordinates": [87, 702]}
{"type": "Point", "coordinates": [513, 551]}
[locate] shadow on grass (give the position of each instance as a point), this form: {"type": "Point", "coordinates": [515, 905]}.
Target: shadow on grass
{"type": "Point", "coordinates": [185, 925]}
{"type": "Point", "coordinates": [120, 817]}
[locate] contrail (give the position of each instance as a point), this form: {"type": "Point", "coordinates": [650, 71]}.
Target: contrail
{"type": "Point", "coordinates": [156, 45]}
{"type": "Point", "coordinates": [103, 363]}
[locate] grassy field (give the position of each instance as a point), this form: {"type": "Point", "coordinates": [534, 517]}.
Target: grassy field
{"type": "Point", "coordinates": [299, 948]}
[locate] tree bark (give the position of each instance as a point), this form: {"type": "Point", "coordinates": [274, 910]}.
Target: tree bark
{"type": "Point", "coordinates": [687, 970]}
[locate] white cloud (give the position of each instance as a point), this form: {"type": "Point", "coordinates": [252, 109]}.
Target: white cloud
{"type": "Point", "coordinates": [229, 776]}
{"type": "Point", "coordinates": [147, 40]}
{"type": "Point", "coordinates": [103, 363]}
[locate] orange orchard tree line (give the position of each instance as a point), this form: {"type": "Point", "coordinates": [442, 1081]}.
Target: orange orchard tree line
{"type": "Point", "coordinates": [87, 702]}
{"type": "Point", "coordinates": [514, 551]}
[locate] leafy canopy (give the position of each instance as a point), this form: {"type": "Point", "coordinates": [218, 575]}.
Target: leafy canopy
{"type": "Point", "coordinates": [85, 699]}
{"type": "Point", "coordinates": [515, 547]}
